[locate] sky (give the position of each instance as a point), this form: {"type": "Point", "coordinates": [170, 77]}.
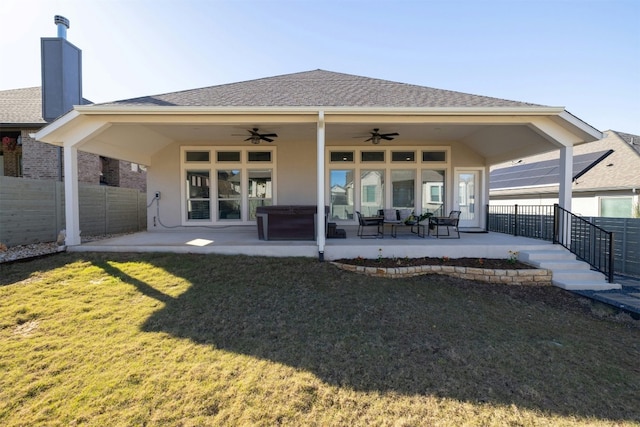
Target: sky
{"type": "Point", "coordinates": [583, 55]}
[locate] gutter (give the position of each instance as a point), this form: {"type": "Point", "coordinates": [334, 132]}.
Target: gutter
{"type": "Point", "coordinates": [442, 111]}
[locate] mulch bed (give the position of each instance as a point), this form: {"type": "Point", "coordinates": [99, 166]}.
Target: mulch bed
{"type": "Point", "coordinates": [493, 263]}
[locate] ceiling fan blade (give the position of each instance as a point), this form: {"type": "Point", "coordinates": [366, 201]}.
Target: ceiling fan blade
{"type": "Point", "coordinates": [269, 135]}
{"type": "Point", "coordinates": [390, 134]}
{"type": "Point", "coordinates": [264, 138]}
{"type": "Point", "coordinates": [370, 139]}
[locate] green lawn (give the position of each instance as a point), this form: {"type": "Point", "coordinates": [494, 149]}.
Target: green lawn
{"type": "Point", "coordinates": [165, 339]}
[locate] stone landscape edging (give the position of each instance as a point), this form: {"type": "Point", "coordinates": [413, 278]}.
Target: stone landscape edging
{"type": "Point", "coordinates": [488, 275]}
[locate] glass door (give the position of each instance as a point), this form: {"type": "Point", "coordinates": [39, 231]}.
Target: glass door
{"type": "Point", "coordinates": [468, 197]}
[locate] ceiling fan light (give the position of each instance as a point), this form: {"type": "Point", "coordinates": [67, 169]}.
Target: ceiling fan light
{"type": "Point", "coordinates": [375, 139]}
{"type": "Point", "coordinates": [255, 139]}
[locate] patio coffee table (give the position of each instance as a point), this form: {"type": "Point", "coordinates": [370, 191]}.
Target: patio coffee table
{"type": "Point", "coordinates": [415, 228]}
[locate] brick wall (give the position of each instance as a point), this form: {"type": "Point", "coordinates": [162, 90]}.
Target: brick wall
{"type": "Point", "coordinates": [44, 161]}
{"type": "Point", "coordinates": [133, 177]}
{"type": "Point", "coordinates": [39, 160]}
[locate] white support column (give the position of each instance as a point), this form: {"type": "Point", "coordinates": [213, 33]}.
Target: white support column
{"type": "Point", "coordinates": [566, 177]}
{"type": "Point", "coordinates": [321, 229]}
{"type": "Point", "coordinates": [71, 205]}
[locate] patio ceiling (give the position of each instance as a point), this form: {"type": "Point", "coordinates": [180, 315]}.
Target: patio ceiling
{"type": "Point", "coordinates": [136, 134]}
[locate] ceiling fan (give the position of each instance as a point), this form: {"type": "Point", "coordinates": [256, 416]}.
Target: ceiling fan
{"type": "Point", "coordinates": [376, 136]}
{"type": "Point", "coordinates": [255, 136]}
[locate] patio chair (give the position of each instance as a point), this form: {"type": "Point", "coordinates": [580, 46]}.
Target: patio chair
{"type": "Point", "coordinates": [364, 222]}
{"type": "Point", "coordinates": [446, 221]}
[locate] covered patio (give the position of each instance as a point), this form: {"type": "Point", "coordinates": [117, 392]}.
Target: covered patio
{"type": "Point", "coordinates": [243, 240]}
{"type": "Point", "coordinates": [319, 138]}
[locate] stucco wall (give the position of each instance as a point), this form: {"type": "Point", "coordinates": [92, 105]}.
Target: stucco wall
{"type": "Point", "coordinates": [294, 176]}
{"type": "Point", "coordinates": [297, 173]}
{"type": "Point", "coordinates": [164, 176]}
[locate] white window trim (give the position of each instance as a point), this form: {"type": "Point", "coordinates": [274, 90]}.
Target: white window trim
{"type": "Point", "coordinates": [213, 166]}
{"type": "Point", "coordinates": [357, 165]}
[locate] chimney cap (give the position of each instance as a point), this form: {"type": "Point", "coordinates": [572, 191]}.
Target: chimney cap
{"type": "Point", "coordinates": [58, 19]}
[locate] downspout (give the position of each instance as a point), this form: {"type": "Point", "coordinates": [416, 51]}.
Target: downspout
{"type": "Point", "coordinates": [321, 236]}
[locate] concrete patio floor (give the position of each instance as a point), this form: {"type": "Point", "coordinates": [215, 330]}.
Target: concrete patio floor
{"type": "Point", "coordinates": [244, 240]}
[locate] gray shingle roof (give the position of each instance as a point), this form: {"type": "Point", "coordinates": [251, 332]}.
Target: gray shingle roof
{"type": "Point", "coordinates": [632, 140]}
{"type": "Point", "coordinates": [21, 106]}
{"type": "Point", "coordinates": [319, 88]}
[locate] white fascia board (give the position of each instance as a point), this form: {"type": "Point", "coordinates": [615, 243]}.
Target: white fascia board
{"type": "Point", "coordinates": [73, 132]}
{"type": "Point", "coordinates": [46, 133]}
{"type": "Point", "coordinates": [581, 125]}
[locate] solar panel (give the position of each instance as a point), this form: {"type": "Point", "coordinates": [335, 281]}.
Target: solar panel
{"type": "Point", "coordinates": [546, 172]}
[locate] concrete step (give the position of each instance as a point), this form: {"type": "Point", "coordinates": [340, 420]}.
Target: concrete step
{"type": "Point", "coordinates": [568, 264]}
{"type": "Point", "coordinates": [582, 285]}
{"type": "Point", "coordinates": [567, 272]}
{"type": "Point", "coordinates": [581, 274]}
{"type": "Point", "coordinates": [553, 254]}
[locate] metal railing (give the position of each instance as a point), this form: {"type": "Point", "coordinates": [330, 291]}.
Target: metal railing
{"type": "Point", "coordinates": [521, 220]}
{"type": "Point", "coordinates": [586, 240]}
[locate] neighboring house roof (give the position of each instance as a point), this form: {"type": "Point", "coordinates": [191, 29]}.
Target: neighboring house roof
{"type": "Point", "coordinates": [21, 107]}
{"type": "Point", "coordinates": [611, 163]}
{"type": "Point", "coordinates": [632, 140]}
{"type": "Point", "coordinates": [319, 88]}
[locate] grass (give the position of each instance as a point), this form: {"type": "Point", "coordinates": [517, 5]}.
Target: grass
{"type": "Point", "coordinates": [187, 340]}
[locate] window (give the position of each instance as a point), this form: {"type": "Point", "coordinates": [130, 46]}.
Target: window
{"type": "Point", "coordinates": [415, 179]}
{"type": "Point", "coordinates": [228, 156]}
{"type": "Point", "coordinates": [198, 202]}
{"type": "Point", "coordinates": [434, 156]}
{"type": "Point", "coordinates": [403, 188]}
{"type": "Point", "coordinates": [616, 207]}
{"type": "Point", "coordinates": [372, 156]}
{"type": "Point", "coordinates": [229, 194]}
{"type": "Point", "coordinates": [341, 203]}
{"type": "Point", "coordinates": [259, 190]}
{"type": "Point", "coordinates": [403, 156]}
{"type": "Point", "coordinates": [436, 195]}
{"type": "Point", "coordinates": [226, 185]}
{"type": "Point", "coordinates": [371, 191]}
{"type": "Point", "coordinates": [433, 191]}
{"type": "Point", "coordinates": [197, 156]}
{"type": "Point", "coordinates": [341, 156]}
{"type": "Point", "coordinates": [259, 156]}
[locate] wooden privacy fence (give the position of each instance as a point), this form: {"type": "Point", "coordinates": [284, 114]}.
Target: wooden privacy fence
{"type": "Point", "coordinates": [32, 211]}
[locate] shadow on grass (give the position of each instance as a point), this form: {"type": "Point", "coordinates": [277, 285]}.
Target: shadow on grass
{"type": "Point", "coordinates": [424, 336]}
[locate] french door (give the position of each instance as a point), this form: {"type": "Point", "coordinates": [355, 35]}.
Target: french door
{"type": "Point", "coordinates": [468, 188]}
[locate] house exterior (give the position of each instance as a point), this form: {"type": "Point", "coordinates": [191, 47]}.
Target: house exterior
{"type": "Point", "coordinates": [23, 156]}
{"type": "Point", "coordinates": [605, 182]}
{"type": "Point", "coordinates": [207, 166]}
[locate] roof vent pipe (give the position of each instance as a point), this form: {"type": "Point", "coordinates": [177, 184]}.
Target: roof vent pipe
{"type": "Point", "coordinates": [63, 24]}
